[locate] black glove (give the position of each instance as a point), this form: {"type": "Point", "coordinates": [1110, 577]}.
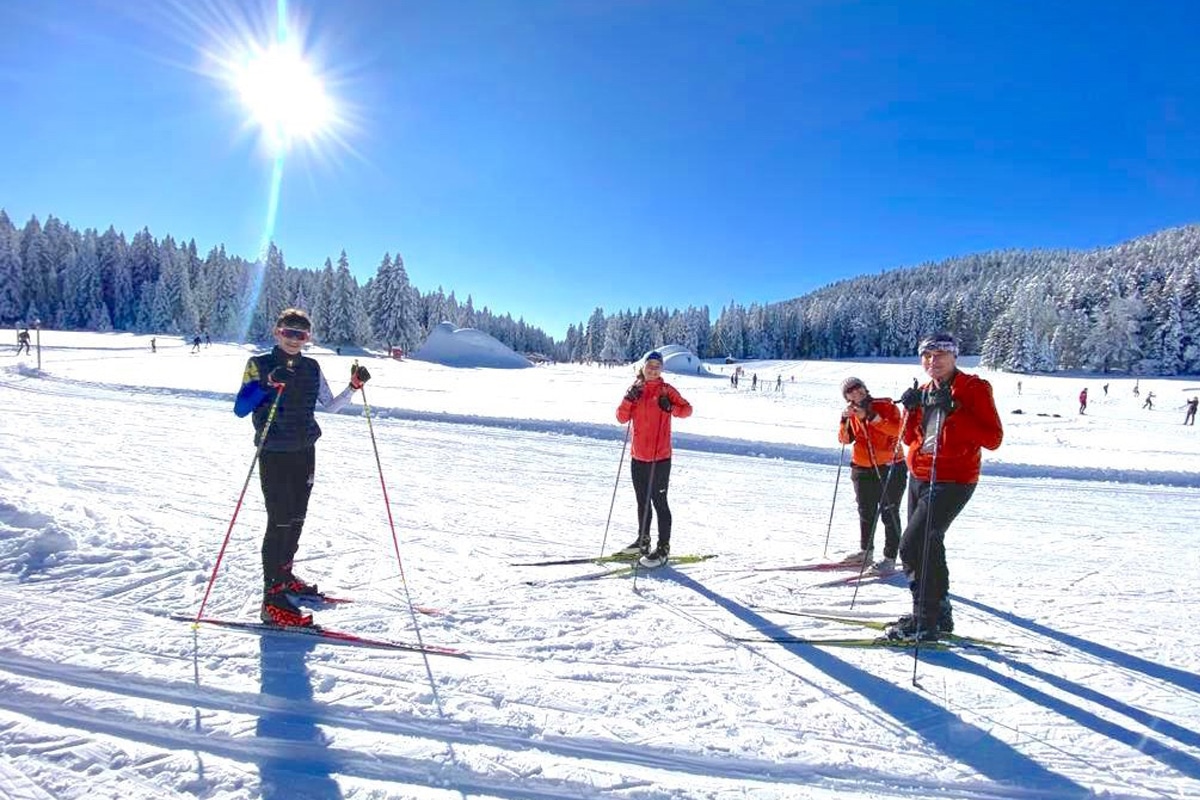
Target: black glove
{"type": "Point", "coordinates": [279, 377]}
{"type": "Point", "coordinates": [940, 398]}
{"type": "Point", "coordinates": [911, 399]}
{"type": "Point", "coordinates": [867, 409]}
{"type": "Point", "coordinates": [635, 392]}
{"type": "Point", "coordinates": [664, 403]}
{"type": "Point", "coordinates": [358, 376]}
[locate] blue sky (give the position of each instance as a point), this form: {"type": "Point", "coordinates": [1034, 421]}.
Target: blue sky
{"type": "Point", "coordinates": [549, 157]}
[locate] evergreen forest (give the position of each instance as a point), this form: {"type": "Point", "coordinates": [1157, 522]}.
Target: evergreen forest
{"type": "Point", "coordinates": [1131, 308]}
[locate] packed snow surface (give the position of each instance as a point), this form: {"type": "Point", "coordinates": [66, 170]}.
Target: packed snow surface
{"type": "Point", "coordinates": [120, 472]}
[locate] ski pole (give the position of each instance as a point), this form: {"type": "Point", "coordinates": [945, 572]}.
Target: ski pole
{"type": "Point", "coordinates": [396, 544]}
{"type": "Point", "coordinates": [883, 493]}
{"type": "Point", "coordinates": [921, 611]}
{"type": "Point", "coordinates": [613, 502]}
{"type": "Point", "coordinates": [833, 505]}
{"type": "Point", "coordinates": [262, 440]}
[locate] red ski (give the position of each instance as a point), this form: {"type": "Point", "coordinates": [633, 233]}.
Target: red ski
{"type": "Point", "coordinates": [326, 634]}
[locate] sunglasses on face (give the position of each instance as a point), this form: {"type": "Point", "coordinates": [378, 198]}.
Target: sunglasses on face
{"type": "Point", "coordinates": [295, 334]}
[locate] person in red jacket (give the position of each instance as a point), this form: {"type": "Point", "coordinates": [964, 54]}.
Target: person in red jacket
{"type": "Point", "coordinates": [1083, 401]}
{"type": "Point", "coordinates": [877, 469]}
{"type": "Point", "coordinates": [949, 420]}
{"type": "Point", "coordinates": [648, 405]}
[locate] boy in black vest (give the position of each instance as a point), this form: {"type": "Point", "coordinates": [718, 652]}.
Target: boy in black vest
{"type": "Point", "coordinates": [281, 388]}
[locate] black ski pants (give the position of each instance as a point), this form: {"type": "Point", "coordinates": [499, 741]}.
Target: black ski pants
{"type": "Point", "coordinates": [879, 493]}
{"type": "Point", "coordinates": [931, 509]}
{"type": "Point", "coordinates": [650, 482]}
{"type": "Point", "coordinates": [287, 480]}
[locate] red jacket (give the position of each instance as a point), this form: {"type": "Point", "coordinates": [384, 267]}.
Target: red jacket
{"type": "Point", "coordinates": [651, 425]}
{"type": "Point", "coordinates": [972, 425]}
{"type": "Point", "coordinates": [881, 433]}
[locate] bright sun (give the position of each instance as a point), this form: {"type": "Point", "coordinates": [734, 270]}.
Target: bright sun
{"type": "Point", "coordinates": [285, 97]}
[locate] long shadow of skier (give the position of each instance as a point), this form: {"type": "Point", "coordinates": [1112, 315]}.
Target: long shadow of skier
{"type": "Point", "coordinates": [1176, 759]}
{"type": "Point", "coordinates": [1181, 678]}
{"type": "Point", "coordinates": [959, 740]}
{"type": "Point", "coordinates": [286, 775]}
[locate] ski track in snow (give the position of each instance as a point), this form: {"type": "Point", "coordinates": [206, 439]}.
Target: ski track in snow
{"type": "Point", "coordinates": [114, 498]}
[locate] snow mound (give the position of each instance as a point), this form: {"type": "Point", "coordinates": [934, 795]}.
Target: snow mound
{"type": "Point", "coordinates": [32, 551]}
{"type": "Point", "coordinates": [467, 347]}
{"type": "Point", "coordinates": [678, 359]}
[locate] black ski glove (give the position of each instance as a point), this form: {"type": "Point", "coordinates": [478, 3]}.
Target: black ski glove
{"type": "Point", "coordinates": [279, 377]}
{"type": "Point", "coordinates": [358, 376]}
{"type": "Point", "coordinates": [911, 399]}
{"type": "Point", "coordinates": [635, 392]}
{"type": "Point", "coordinates": [664, 403]}
{"type": "Point", "coordinates": [940, 398]}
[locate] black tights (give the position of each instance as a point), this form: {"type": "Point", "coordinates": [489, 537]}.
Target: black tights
{"type": "Point", "coordinates": [642, 473]}
{"type": "Point", "coordinates": [287, 480]}
{"type": "Point", "coordinates": [931, 509]}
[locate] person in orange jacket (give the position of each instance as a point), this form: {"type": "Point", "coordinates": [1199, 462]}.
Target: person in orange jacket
{"type": "Point", "coordinates": [648, 406]}
{"type": "Point", "coordinates": [949, 420]}
{"type": "Point", "coordinates": [877, 469]}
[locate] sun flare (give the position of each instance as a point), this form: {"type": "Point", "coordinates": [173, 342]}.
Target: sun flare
{"type": "Point", "coordinates": [284, 96]}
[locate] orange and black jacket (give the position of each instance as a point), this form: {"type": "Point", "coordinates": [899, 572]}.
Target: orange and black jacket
{"type": "Point", "coordinates": [652, 425]}
{"type": "Point", "coordinates": [876, 435]}
{"type": "Point", "coordinates": [973, 424]}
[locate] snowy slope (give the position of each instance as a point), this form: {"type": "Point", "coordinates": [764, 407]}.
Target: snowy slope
{"type": "Point", "coordinates": [119, 472]}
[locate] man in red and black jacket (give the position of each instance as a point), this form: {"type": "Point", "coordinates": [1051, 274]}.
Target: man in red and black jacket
{"type": "Point", "coordinates": [950, 419]}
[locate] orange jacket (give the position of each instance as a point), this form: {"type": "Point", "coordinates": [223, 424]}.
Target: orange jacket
{"type": "Point", "coordinates": [878, 435]}
{"type": "Point", "coordinates": [973, 424]}
{"type": "Point", "coordinates": [652, 425]}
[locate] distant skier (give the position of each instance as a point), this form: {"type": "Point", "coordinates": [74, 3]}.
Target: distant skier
{"type": "Point", "coordinates": [287, 462]}
{"type": "Point", "coordinates": [1149, 401]}
{"type": "Point", "coordinates": [153, 345]}
{"type": "Point", "coordinates": [1136, 391]}
{"type": "Point", "coordinates": [1083, 401]}
{"type": "Point", "coordinates": [23, 341]}
{"type": "Point", "coordinates": [949, 420]}
{"type": "Point", "coordinates": [1106, 390]}
{"type": "Point", "coordinates": [196, 343]}
{"type": "Point", "coordinates": [1190, 417]}
{"type": "Point", "coordinates": [877, 470]}
{"type": "Point", "coordinates": [648, 406]}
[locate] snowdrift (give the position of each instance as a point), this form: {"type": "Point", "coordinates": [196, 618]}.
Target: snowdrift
{"type": "Point", "coordinates": [467, 347]}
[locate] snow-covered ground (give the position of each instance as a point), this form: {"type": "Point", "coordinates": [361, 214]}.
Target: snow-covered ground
{"type": "Point", "coordinates": [120, 470]}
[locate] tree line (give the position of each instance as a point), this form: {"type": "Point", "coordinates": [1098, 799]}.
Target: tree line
{"type": "Point", "coordinates": [86, 280]}
{"type": "Point", "coordinates": [1133, 307]}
